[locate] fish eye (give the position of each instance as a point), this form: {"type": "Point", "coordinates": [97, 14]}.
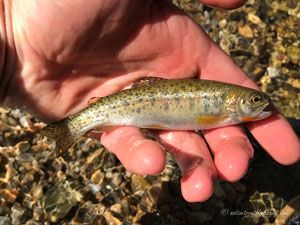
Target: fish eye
{"type": "Point", "coordinates": [256, 98]}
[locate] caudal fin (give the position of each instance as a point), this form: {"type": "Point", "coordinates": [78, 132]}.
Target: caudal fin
{"type": "Point", "coordinates": [64, 137]}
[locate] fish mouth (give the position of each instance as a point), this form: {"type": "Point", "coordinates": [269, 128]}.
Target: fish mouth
{"type": "Point", "coordinates": [266, 111]}
{"type": "Point", "coordinates": [262, 115]}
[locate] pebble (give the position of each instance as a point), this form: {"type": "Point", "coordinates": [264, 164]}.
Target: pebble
{"type": "Point", "coordinates": [23, 146]}
{"type": "Point", "coordinates": [58, 201]}
{"type": "Point", "coordinates": [294, 53]}
{"type": "Point", "coordinates": [138, 182]}
{"type": "Point", "coordinates": [158, 192]}
{"type": "Point", "coordinates": [273, 72]}
{"type": "Point", "coordinates": [33, 222]}
{"type": "Point", "coordinates": [290, 211]}
{"type": "Point", "coordinates": [246, 31]}
{"type": "Point", "coordinates": [116, 180]}
{"type": "Point", "coordinates": [25, 121]}
{"type": "Point", "coordinates": [18, 215]}
{"type": "Point", "coordinates": [5, 220]}
{"type": "Point", "coordinates": [9, 195]}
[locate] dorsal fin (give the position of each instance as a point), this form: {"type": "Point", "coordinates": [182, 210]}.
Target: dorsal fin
{"type": "Point", "coordinates": [145, 81]}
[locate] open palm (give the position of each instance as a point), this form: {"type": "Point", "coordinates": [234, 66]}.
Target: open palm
{"type": "Point", "coordinates": [64, 53]}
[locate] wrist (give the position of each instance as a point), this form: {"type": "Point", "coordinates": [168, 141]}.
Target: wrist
{"type": "Point", "coordinates": [7, 49]}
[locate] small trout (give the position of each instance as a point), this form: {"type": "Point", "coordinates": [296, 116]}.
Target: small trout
{"type": "Point", "coordinates": [183, 104]}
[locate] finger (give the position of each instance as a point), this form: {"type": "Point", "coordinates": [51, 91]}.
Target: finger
{"type": "Point", "coordinates": [278, 138]}
{"type": "Point", "coordinates": [232, 151]}
{"type": "Point", "coordinates": [194, 160]}
{"type": "Point", "coordinates": [274, 134]}
{"type": "Point", "coordinates": [137, 154]}
{"type": "Point", "coordinates": [227, 4]}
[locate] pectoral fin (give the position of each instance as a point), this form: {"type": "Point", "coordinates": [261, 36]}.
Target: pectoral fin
{"type": "Point", "coordinates": [209, 120]}
{"type": "Point", "coordinates": [249, 119]}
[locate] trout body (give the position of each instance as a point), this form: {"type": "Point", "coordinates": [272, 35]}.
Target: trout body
{"type": "Point", "coordinates": [183, 104]}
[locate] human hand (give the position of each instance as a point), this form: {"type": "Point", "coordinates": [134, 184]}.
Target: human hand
{"type": "Point", "coordinates": [61, 54]}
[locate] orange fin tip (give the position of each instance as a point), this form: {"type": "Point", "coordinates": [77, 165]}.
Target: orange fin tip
{"type": "Point", "coordinates": [208, 120]}
{"type": "Point", "coordinates": [249, 119]}
{"type": "Point", "coordinates": [93, 100]}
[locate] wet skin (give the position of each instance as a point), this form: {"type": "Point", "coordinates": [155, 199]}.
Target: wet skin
{"type": "Point", "coordinates": [58, 56]}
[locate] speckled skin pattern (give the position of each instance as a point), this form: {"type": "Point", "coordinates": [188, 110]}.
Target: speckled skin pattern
{"type": "Point", "coordinates": [183, 104]}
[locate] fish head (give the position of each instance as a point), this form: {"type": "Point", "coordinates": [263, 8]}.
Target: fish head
{"type": "Point", "coordinates": [251, 105]}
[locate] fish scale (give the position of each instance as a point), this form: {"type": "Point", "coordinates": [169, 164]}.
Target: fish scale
{"type": "Point", "coordinates": [182, 104]}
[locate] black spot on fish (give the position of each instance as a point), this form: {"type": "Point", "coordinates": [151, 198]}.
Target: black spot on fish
{"type": "Point", "coordinates": [191, 104]}
{"type": "Point", "coordinates": [205, 102]}
{"type": "Point", "coordinates": [125, 103]}
{"type": "Point", "coordinates": [166, 106]}
{"type": "Point", "coordinates": [138, 110]}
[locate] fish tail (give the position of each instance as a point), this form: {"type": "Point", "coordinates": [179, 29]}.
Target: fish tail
{"type": "Point", "coordinates": [64, 137]}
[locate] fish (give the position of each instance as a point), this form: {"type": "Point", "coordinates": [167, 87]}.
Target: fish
{"type": "Point", "coordinates": [165, 104]}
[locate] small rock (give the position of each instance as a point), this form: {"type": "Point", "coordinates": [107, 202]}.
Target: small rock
{"type": "Point", "coordinates": [112, 220]}
{"type": "Point", "coordinates": [58, 201]}
{"type": "Point", "coordinates": [37, 213]}
{"type": "Point", "coordinates": [294, 53]}
{"type": "Point", "coordinates": [94, 158]}
{"type": "Point", "coordinates": [25, 121]}
{"type": "Point", "coordinates": [139, 183]}
{"type": "Point", "coordinates": [95, 188]}
{"type": "Point", "coordinates": [246, 31]}
{"type": "Point", "coordinates": [97, 177]}
{"type": "Point", "coordinates": [23, 146]}
{"type": "Point", "coordinates": [9, 195]}
{"type": "Point", "coordinates": [116, 209]}
{"type": "Point", "coordinates": [273, 71]}
{"type": "Point", "coordinates": [256, 20]}
{"type": "Point", "coordinates": [291, 210]}
{"type": "Point", "coordinates": [33, 222]}
{"type": "Point", "coordinates": [158, 193]}
{"type": "Point", "coordinates": [294, 82]}
{"type": "Point", "coordinates": [18, 215]}
{"type": "Point", "coordinates": [116, 180]}
{"type": "Point", "coordinates": [83, 216]}
{"type": "Point", "coordinates": [5, 220]}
